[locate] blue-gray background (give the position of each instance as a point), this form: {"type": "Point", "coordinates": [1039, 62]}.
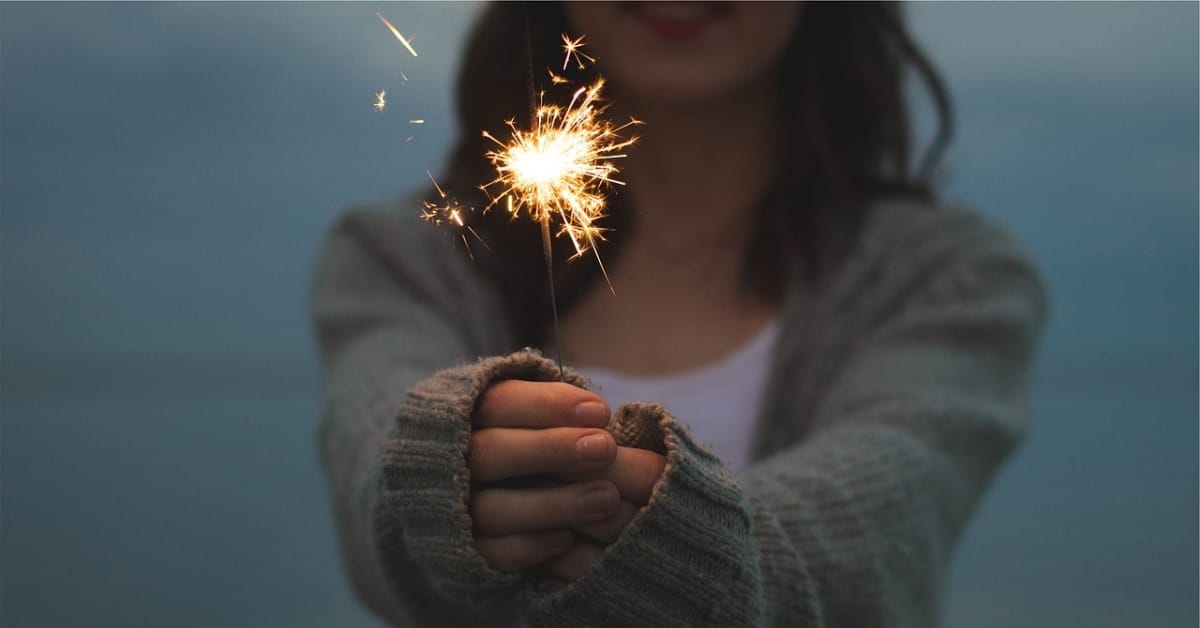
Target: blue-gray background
{"type": "Point", "coordinates": [166, 171]}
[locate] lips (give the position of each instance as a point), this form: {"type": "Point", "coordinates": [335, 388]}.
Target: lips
{"type": "Point", "coordinates": [679, 20]}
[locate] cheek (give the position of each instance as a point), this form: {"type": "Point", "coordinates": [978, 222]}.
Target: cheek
{"type": "Point", "coordinates": [765, 33]}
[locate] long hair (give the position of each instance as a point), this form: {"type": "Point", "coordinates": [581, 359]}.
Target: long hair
{"type": "Point", "coordinates": [848, 137]}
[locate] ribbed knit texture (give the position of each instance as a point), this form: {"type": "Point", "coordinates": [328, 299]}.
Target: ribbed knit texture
{"type": "Point", "coordinates": [898, 387]}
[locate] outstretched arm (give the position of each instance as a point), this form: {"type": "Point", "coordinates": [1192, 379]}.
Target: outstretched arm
{"type": "Point", "coordinates": [854, 525]}
{"type": "Point", "coordinates": [393, 304]}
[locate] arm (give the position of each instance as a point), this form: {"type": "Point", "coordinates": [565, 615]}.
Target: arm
{"type": "Point", "coordinates": [394, 304]}
{"type": "Point", "coordinates": [854, 525]}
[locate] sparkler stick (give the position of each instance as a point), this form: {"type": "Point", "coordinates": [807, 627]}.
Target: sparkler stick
{"type": "Point", "coordinates": [545, 223]}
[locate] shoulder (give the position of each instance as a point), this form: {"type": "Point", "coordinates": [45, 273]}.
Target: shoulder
{"type": "Point", "coordinates": [386, 255]}
{"type": "Point", "coordinates": [395, 225]}
{"type": "Point", "coordinates": [903, 234]}
{"type": "Point", "coordinates": [908, 251]}
{"type": "Point", "coordinates": [393, 239]}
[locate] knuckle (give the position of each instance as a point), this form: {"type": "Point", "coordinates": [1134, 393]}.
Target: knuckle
{"type": "Point", "coordinates": [544, 399]}
{"type": "Point", "coordinates": [505, 555]}
{"type": "Point", "coordinates": [488, 400]}
{"type": "Point", "coordinates": [567, 502]}
{"type": "Point", "coordinates": [553, 448]}
{"type": "Point", "coordinates": [477, 450]}
{"type": "Point", "coordinates": [648, 469]}
{"type": "Point", "coordinates": [482, 511]}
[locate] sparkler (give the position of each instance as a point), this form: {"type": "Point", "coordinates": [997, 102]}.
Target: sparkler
{"type": "Point", "coordinates": [560, 167]}
{"type": "Point", "coordinates": [556, 170]}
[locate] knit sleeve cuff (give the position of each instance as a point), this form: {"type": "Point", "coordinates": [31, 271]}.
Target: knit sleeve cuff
{"type": "Point", "coordinates": [683, 559]}
{"type": "Point", "coordinates": [420, 519]}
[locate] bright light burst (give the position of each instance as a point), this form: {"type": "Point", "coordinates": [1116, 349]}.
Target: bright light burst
{"type": "Point", "coordinates": [560, 167]}
{"type": "Point", "coordinates": [381, 100]}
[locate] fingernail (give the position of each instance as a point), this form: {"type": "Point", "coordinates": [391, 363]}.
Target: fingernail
{"type": "Point", "coordinates": [593, 448]}
{"type": "Point", "coordinates": [591, 414]}
{"type": "Point", "coordinates": [596, 501]}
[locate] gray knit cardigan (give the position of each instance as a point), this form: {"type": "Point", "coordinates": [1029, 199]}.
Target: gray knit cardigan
{"type": "Point", "coordinates": [898, 387]}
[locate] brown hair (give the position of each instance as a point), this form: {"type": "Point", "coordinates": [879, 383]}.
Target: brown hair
{"type": "Point", "coordinates": [841, 89]}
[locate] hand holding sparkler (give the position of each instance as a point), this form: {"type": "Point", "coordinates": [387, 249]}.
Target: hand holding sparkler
{"type": "Point", "coordinates": [522, 428]}
{"type": "Point", "coordinates": [591, 486]}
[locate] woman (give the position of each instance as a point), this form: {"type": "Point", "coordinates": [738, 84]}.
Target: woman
{"type": "Point", "coordinates": [856, 357]}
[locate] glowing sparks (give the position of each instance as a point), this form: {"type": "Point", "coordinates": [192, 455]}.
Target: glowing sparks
{"type": "Point", "coordinates": [571, 49]}
{"type": "Point", "coordinates": [556, 79]}
{"type": "Point", "coordinates": [450, 212]}
{"type": "Point", "coordinates": [417, 121]}
{"type": "Point", "coordinates": [381, 100]}
{"type": "Point", "coordinates": [559, 168]}
{"type": "Point", "coordinates": [407, 42]}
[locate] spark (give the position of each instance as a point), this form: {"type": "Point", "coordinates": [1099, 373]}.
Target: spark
{"type": "Point", "coordinates": [404, 76]}
{"type": "Point", "coordinates": [560, 168]}
{"type": "Point", "coordinates": [571, 48]}
{"type": "Point", "coordinates": [381, 100]}
{"type": "Point", "coordinates": [450, 212]}
{"type": "Point", "coordinates": [407, 42]}
{"type": "Point", "coordinates": [417, 121]}
{"type": "Point", "coordinates": [556, 79]}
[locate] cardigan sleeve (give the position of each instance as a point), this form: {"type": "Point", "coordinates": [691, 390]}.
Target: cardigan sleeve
{"type": "Point", "coordinates": [400, 328]}
{"type": "Point", "coordinates": [852, 526]}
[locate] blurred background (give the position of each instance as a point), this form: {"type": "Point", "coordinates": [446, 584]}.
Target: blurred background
{"type": "Point", "coordinates": [167, 172]}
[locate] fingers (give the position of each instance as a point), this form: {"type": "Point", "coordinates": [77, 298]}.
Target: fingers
{"type": "Point", "coordinates": [524, 549]}
{"type": "Point", "coordinates": [500, 511]}
{"type": "Point", "coordinates": [635, 472]}
{"type": "Point", "coordinates": [498, 453]}
{"type": "Point", "coordinates": [609, 528]}
{"type": "Point", "coordinates": [572, 563]}
{"type": "Point", "coordinates": [518, 403]}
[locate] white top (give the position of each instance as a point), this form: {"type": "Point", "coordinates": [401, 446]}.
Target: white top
{"type": "Point", "coordinates": [719, 402]}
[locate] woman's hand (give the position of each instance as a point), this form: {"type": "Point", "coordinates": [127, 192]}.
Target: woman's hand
{"type": "Point", "coordinates": [538, 428]}
{"type": "Point", "coordinates": [635, 473]}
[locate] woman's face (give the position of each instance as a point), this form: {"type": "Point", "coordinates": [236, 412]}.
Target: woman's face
{"type": "Point", "coordinates": [684, 53]}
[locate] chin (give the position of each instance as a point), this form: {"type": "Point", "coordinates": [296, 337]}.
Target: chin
{"type": "Point", "coordinates": [685, 53]}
